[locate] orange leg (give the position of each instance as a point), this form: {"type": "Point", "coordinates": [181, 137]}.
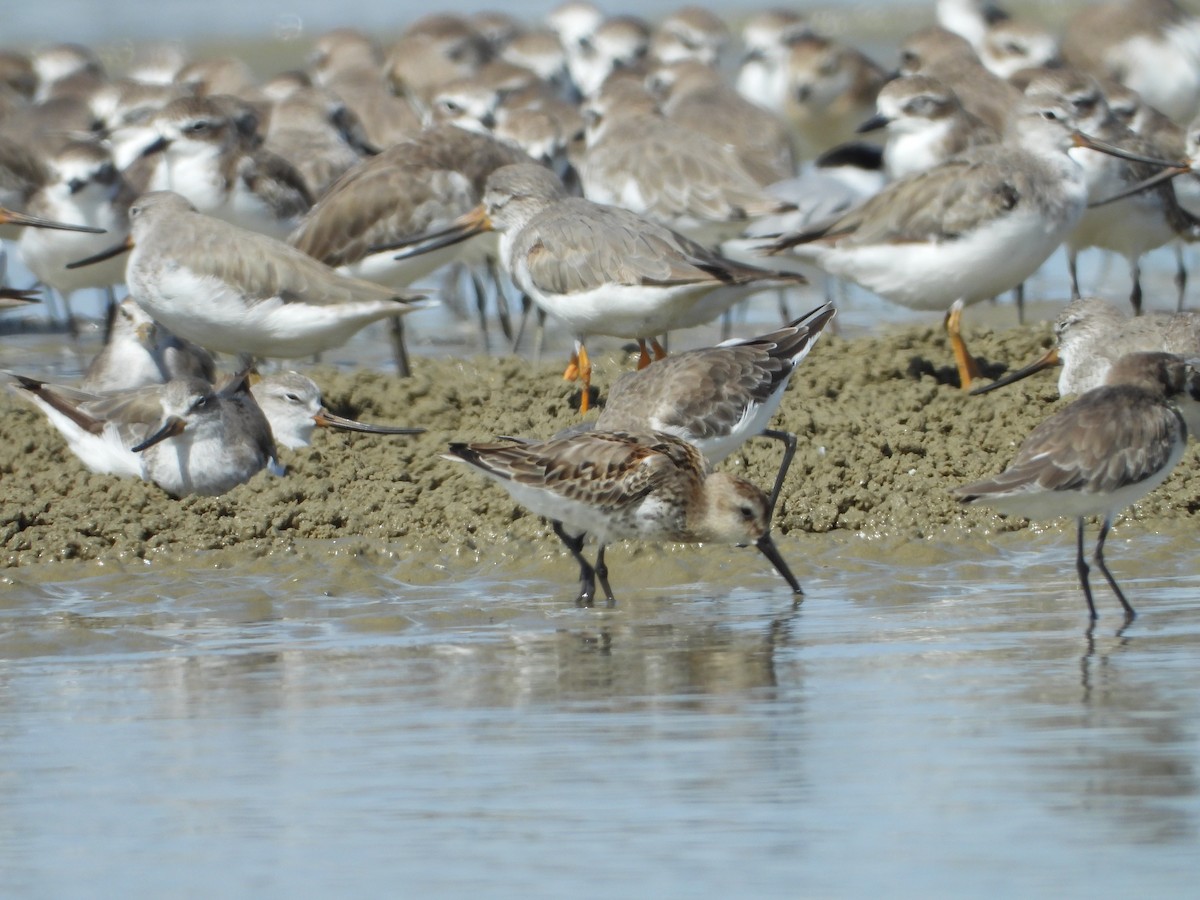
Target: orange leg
{"type": "Point", "coordinates": [660, 352]}
{"type": "Point", "coordinates": [585, 376]}
{"type": "Point", "coordinates": [968, 368]}
{"type": "Point", "coordinates": [572, 371]}
{"type": "Point", "coordinates": [643, 354]}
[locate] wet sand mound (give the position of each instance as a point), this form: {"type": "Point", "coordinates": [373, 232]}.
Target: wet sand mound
{"type": "Point", "coordinates": [883, 435]}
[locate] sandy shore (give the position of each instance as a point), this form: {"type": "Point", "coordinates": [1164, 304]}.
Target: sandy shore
{"type": "Point", "coordinates": [883, 435]}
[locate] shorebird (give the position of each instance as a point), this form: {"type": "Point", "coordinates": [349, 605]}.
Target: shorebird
{"type": "Point", "coordinates": [1105, 451]}
{"type": "Point", "coordinates": [292, 404]}
{"type": "Point", "coordinates": [319, 135]}
{"type": "Point", "coordinates": [762, 72]}
{"type": "Point", "coordinates": [926, 125]}
{"type": "Point", "coordinates": [969, 19]}
{"type": "Point", "coordinates": [140, 352]}
{"type": "Point", "coordinates": [598, 269]}
{"type": "Point", "coordinates": [1153, 46]}
{"type": "Point", "coordinates": [642, 161]}
{"type": "Point", "coordinates": [411, 188]}
{"type": "Point", "coordinates": [831, 88]}
{"type": "Point", "coordinates": [1133, 226]}
{"type": "Point", "coordinates": [186, 436]}
{"type": "Point", "coordinates": [618, 485]}
{"type": "Point", "coordinates": [83, 186]}
{"type": "Point", "coordinates": [615, 43]}
{"type": "Point", "coordinates": [348, 63]}
{"type": "Point", "coordinates": [1011, 46]}
{"type": "Point", "coordinates": [690, 33]}
{"type": "Point", "coordinates": [1090, 335]}
{"type": "Point", "coordinates": [969, 229]}
{"type": "Point", "coordinates": [951, 60]}
{"type": "Point", "coordinates": [237, 291]}
{"type": "Point", "coordinates": [204, 153]}
{"type": "Point", "coordinates": [697, 97]}
{"type": "Point", "coordinates": [717, 398]}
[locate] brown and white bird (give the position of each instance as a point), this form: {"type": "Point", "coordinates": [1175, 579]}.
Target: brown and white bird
{"type": "Point", "coordinates": [1102, 453]}
{"type": "Point", "coordinates": [617, 485]}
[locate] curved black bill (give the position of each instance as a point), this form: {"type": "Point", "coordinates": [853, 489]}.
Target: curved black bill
{"type": "Point", "coordinates": [768, 549]}
{"type": "Point", "coordinates": [100, 257]}
{"type": "Point", "coordinates": [1049, 360]}
{"type": "Point", "coordinates": [171, 427]}
{"type": "Point", "coordinates": [12, 217]}
{"type": "Point", "coordinates": [1085, 140]}
{"type": "Point", "coordinates": [1144, 185]}
{"type": "Point", "coordinates": [326, 419]}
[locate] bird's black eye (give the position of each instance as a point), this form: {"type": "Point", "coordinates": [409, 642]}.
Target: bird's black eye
{"type": "Point", "coordinates": [746, 512]}
{"type": "Point", "coordinates": [292, 398]}
{"type": "Point", "coordinates": [1050, 114]}
{"type": "Point", "coordinates": [199, 127]}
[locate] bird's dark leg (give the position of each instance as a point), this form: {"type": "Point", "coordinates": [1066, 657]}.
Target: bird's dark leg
{"type": "Point", "coordinates": [1019, 299]}
{"type": "Point", "coordinates": [587, 575]}
{"type": "Point", "coordinates": [399, 350]}
{"type": "Point", "coordinates": [480, 289]}
{"type": "Point", "coordinates": [1135, 295]}
{"type": "Point", "coordinates": [602, 575]}
{"type": "Point", "coordinates": [1081, 567]}
{"type": "Point", "coordinates": [1112, 582]}
{"type": "Point", "coordinates": [502, 310]}
{"type": "Point", "coordinates": [1181, 277]}
{"type": "Point", "coordinates": [789, 450]}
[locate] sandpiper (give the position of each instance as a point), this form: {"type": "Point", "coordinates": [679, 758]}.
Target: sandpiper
{"type": "Point", "coordinates": [1153, 46]}
{"type": "Point", "coordinates": [205, 153]}
{"type": "Point", "coordinates": [658, 168]}
{"type": "Point", "coordinates": [717, 398]}
{"type": "Point", "coordinates": [617, 485]}
{"type": "Point", "coordinates": [1092, 334]}
{"type": "Point", "coordinates": [140, 352]}
{"type": "Point", "coordinates": [831, 88]}
{"type": "Point", "coordinates": [186, 436]}
{"type": "Point", "coordinates": [84, 186]}
{"type": "Point", "coordinates": [1105, 451]}
{"type": "Point", "coordinates": [926, 125]}
{"type": "Point", "coordinates": [599, 269]}
{"type": "Point", "coordinates": [292, 404]}
{"type": "Point", "coordinates": [969, 229]}
{"type": "Point", "coordinates": [237, 291]}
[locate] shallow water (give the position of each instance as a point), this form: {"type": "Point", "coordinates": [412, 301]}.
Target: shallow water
{"type": "Point", "coordinates": [937, 721]}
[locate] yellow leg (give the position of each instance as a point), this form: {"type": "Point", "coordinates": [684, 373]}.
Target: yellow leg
{"type": "Point", "coordinates": [968, 368]}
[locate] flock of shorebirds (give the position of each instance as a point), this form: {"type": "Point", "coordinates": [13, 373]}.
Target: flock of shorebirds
{"type": "Point", "coordinates": [622, 179]}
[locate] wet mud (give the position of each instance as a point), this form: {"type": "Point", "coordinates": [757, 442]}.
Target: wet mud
{"type": "Point", "coordinates": [884, 433]}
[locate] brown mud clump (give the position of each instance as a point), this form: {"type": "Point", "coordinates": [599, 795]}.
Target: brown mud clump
{"type": "Point", "coordinates": [883, 436]}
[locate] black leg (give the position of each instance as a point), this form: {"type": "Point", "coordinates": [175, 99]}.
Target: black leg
{"type": "Point", "coordinates": [399, 350]}
{"type": "Point", "coordinates": [587, 575]}
{"type": "Point", "coordinates": [789, 450]}
{"type": "Point", "coordinates": [1081, 567]}
{"type": "Point", "coordinates": [1019, 299]}
{"type": "Point", "coordinates": [502, 311]}
{"type": "Point", "coordinates": [1073, 268]}
{"type": "Point", "coordinates": [1135, 296]}
{"type": "Point", "coordinates": [1112, 582]}
{"type": "Point", "coordinates": [480, 289]}
{"type": "Point", "coordinates": [602, 575]}
{"type": "Point", "coordinates": [1181, 277]}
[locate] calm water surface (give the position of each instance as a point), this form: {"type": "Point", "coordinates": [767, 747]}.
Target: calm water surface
{"type": "Point", "coordinates": [927, 722]}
